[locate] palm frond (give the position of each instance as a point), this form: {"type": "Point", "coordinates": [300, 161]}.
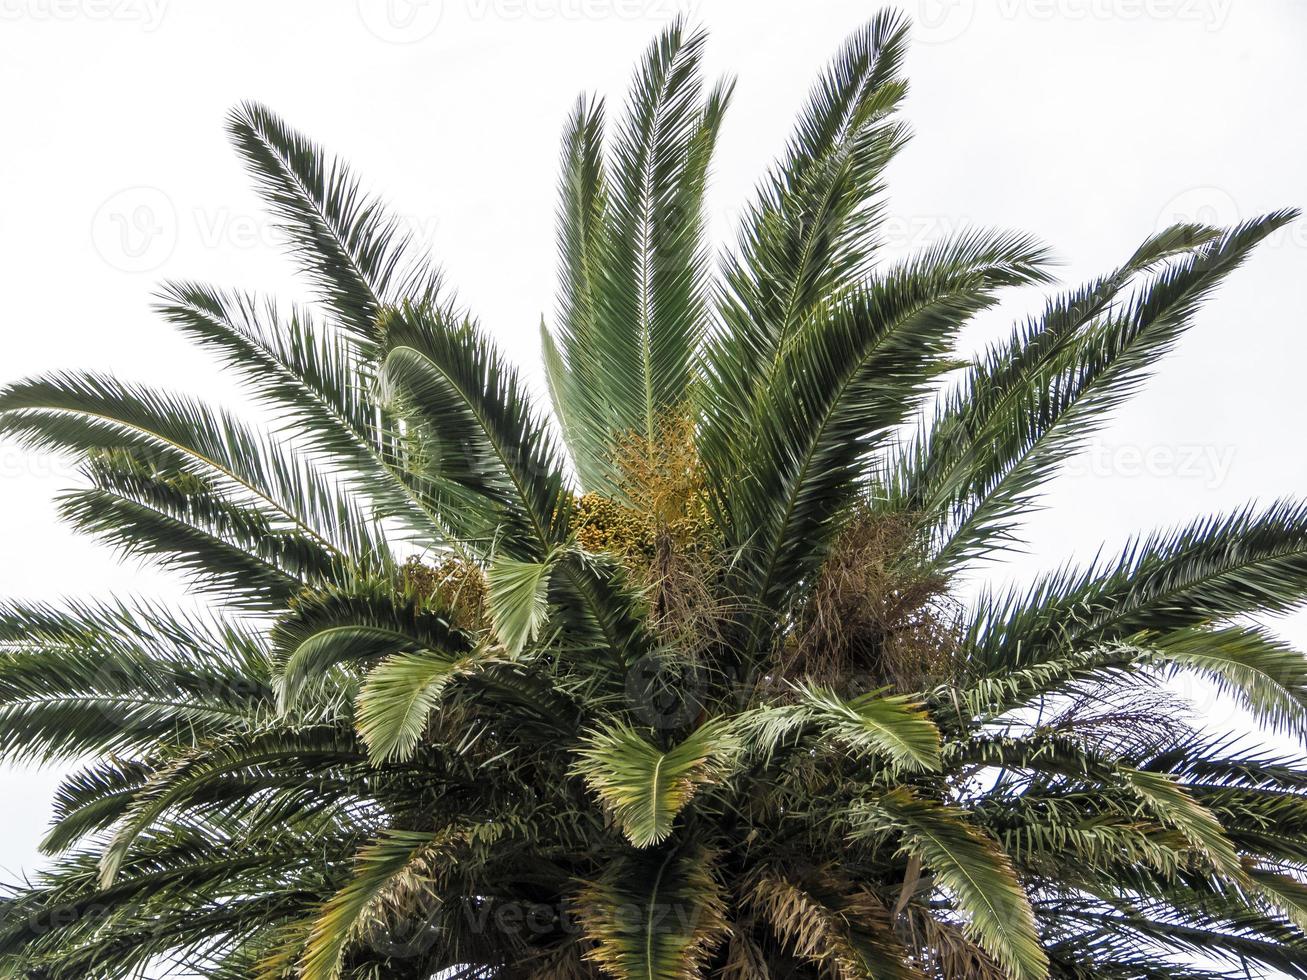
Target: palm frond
{"type": "Point", "coordinates": [645, 787]}
{"type": "Point", "coordinates": [518, 596]}
{"type": "Point", "coordinates": [1029, 405]}
{"type": "Point", "coordinates": [846, 381]}
{"type": "Point", "coordinates": [113, 678]}
{"type": "Point", "coordinates": [811, 234]}
{"type": "Point", "coordinates": [398, 695]}
{"type": "Point", "coordinates": [973, 869]}
{"type": "Point", "coordinates": [316, 385]}
{"type": "Point", "coordinates": [358, 257]}
{"type": "Point", "coordinates": [358, 626]}
{"type": "Point", "coordinates": [1209, 571]}
{"type": "Point", "coordinates": [83, 413]}
{"type": "Point", "coordinates": [653, 916]}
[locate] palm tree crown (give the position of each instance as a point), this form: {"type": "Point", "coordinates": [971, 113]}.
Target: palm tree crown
{"type": "Point", "coordinates": [671, 683]}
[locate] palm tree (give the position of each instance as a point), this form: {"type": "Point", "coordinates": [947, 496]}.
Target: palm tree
{"type": "Point", "coordinates": [675, 682]}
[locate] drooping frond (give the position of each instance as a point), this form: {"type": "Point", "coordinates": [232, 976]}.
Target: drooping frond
{"type": "Point", "coordinates": [381, 867]}
{"type": "Point", "coordinates": [359, 625]}
{"type": "Point", "coordinates": [83, 413]}
{"type": "Point", "coordinates": [225, 548]}
{"type": "Point", "coordinates": [118, 678]}
{"type": "Point", "coordinates": [973, 869]}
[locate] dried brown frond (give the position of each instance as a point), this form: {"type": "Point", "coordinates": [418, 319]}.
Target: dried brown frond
{"type": "Point", "coordinates": [563, 962]}
{"type": "Point", "coordinates": [944, 949]}
{"type": "Point", "coordinates": [745, 959]}
{"type": "Point", "coordinates": [873, 616]}
{"type": "Point", "coordinates": [453, 584]}
{"type": "Point", "coordinates": [1139, 719]}
{"type": "Point", "coordinates": [845, 930]}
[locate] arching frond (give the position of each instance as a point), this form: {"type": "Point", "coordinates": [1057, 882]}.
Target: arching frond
{"type": "Point", "coordinates": [357, 256]}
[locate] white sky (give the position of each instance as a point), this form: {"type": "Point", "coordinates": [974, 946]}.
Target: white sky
{"type": "Point", "coordinates": [1087, 122]}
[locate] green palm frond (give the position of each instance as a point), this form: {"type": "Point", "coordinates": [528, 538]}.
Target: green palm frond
{"type": "Point", "coordinates": [978, 435]}
{"type": "Point", "coordinates": [972, 868]}
{"type": "Point", "coordinates": [633, 307]}
{"type": "Point", "coordinates": [225, 547]}
{"type": "Point", "coordinates": [112, 678]}
{"type": "Point", "coordinates": [849, 378]}
{"type": "Point", "coordinates": [650, 295]}
{"type": "Point", "coordinates": [194, 773]}
{"type": "Point", "coordinates": [1211, 570]}
{"type": "Point", "coordinates": [653, 916]}
{"type": "Point", "coordinates": [1266, 675]}
{"type": "Point", "coordinates": [471, 428]}
{"type": "Point", "coordinates": [1173, 805]}
{"type": "Point", "coordinates": [645, 787]}
{"type": "Point", "coordinates": [874, 723]}
{"type": "Point", "coordinates": [571, 362]}
{"type": "Point", "coordinates": [1090, 355]}
{"type": "Point", "coordinates": [83, 413]}
{"type": "Point", "coordinates": [811, 234]}
{"type": "Point", "coordinates": [380, 867]}
{"type": "Point", "coordinates": [398, 696]}
{"type": "Point", "coordinates": [518, 595]}
{"type": "Point", "coordinates": [358, 257]}
{"type": "Point", "coordinates": [315, 384]}
{"type": "Point", "coordinates": [356, 626]}
{"type": "Point", "coordinates": [91, 800]}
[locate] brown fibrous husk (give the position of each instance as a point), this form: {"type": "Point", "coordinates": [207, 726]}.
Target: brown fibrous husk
{"type": "Point", "coordinates": [874, 616]}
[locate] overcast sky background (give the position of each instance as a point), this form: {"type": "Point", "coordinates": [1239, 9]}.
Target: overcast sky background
{"type": "Point", "coordinates": [1089, 123]}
